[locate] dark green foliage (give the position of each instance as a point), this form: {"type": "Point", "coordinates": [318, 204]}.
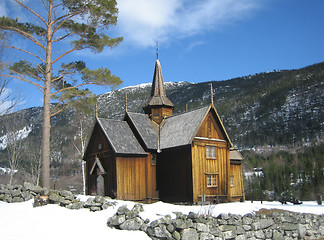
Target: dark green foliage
{"type": "Point", "coordinates": [300, 173]}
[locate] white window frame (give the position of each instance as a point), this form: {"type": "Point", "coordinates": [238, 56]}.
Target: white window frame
{"type": "Point", "coordinates": [211, 152]}
{"type": "Point", "coordinates": [232, 180]}
{"type": "Point", "coordinates": [211, 179]}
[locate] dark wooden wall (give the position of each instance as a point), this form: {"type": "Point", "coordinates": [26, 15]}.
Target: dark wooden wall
{"type": "Point", "coordinates": [174, 176]}
{"type": "Point", "coordinates": [108, 160]}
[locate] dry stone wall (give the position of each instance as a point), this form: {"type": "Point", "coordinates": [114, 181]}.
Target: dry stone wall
{"type": "Point", "coordinates": [273, 225]}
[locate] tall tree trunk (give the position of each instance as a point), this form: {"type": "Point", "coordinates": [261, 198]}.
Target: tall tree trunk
{"type": "Point", "coordinates": [46, 131]}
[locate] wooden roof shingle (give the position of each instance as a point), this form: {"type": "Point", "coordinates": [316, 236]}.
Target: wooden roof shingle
{"type": "Point", "coordinates": [181, 129]}
{"type": "Point", "coordinates": [121, 137]}
{"type": "Point", "coordinates": [147, 130]}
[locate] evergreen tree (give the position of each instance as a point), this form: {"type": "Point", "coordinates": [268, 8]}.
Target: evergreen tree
{"type": "Point", "coordinates": [83, 22]}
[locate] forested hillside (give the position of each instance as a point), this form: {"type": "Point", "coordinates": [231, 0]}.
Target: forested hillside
{"type": "Point", "coordinates": [275, 118]}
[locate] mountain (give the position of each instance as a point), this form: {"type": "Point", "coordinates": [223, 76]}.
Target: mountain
{"type": "Point", "coordinates": [266, 111]}
{"type": "Point", "coordinates": [279, 108]}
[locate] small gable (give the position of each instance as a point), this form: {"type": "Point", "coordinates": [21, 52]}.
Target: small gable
{"type": "Point", "coordinates": [210, 128]}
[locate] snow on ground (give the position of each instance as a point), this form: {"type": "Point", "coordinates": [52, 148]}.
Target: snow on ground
{"type": "Point", "coordinates": [22, 221]}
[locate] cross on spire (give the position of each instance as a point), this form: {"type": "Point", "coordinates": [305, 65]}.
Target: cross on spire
{"type": "Point", "coordinates": [157, 50]}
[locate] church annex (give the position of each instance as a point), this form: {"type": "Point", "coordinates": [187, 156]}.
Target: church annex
{"type": "Point", "coordinates": [160, 156]}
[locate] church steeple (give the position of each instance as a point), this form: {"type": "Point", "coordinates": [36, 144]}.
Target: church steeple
{"type": "Point", "coordinates": [158, 105]}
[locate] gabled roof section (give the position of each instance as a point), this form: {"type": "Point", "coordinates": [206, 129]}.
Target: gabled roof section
{"type": "Point", "coordinates": [181, 129]}
{"type": "Point", "coordinates": [121, 137]}
{"type": "Point", "coordinates": [158, 96]}
{"type": "Point", "coordinates": [146, 129]}
{"type": "Point", "coordinates": [235, 155]}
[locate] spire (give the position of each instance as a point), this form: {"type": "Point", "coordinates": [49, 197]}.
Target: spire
{"type": "Point", "coordinates": [211, 93]}
{"type": "Point", "coordinates": [158, 99]}
{"type": "Point", "coordinates": [158, 96]}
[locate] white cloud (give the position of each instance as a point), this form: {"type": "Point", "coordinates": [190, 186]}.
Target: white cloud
{"type": "Point", "coordinates": [142, 22]}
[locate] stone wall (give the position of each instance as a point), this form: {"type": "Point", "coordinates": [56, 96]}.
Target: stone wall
{"type": "Point", "coordinates": [272, 224]}
{"type": "Point", "coordinates": [43, 196]}
{"type": "Point", "coordinates": [266, 224]}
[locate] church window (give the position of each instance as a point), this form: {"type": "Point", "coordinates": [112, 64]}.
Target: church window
{"type": "Point", "coordinates": [210, 151]}
{"type": "Point", "coordinates": [232, 180]}
{"type": "Point", "coordinates": [211, 180]}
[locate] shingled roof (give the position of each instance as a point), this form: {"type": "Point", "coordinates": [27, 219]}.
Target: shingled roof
{"type": "Point", "coordinates": [147, 130]}
{"type": "Point", "coordinates": [158, 96]}
{"type": "Point", "coordinates": [121, 137]}
{"type": "Point", "coordinates": [181, 129]}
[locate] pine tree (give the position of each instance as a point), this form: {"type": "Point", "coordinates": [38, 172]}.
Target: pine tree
{"type": "Point", "coordinates": [84, 23]}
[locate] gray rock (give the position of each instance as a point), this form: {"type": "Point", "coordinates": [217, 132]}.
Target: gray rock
{"type": "Point", "coordinates": [26, 195]}
{"type": "Point", "coordinates": [255, 226]}
{"type": "Point", "coordinates": [65, 202]}
{"type": "Point", "coordinates": [95, 209]}
{"type": "Point", "coordinates": [162, 232]}
{"type": "Point", "coordinates": [200, 227]}
{"type": "Point", "coordinates": [116, 220]}
{"type": "Point", "coordinates": [247, 221]}
{"type": "Point", "coordinates": [259, 234]}
{"type": "Point", "coordinates": [138, 208]}
{"type": "Point", "coordinates": [55, 198]}
{"type": "Point", "coordinates": [183, 223]}
{"type": "Point", "coordinates": [206, 236]}
{"type": "Point", "coordinates": [289, 226]}
{"type": "Point", "coordinates": [229, 234]}
{"type": "Point", "coordinates": [277, 235]}
{"type": "Point", "coordinates": [247, 227]}
{"type": "Point", "coordinates": [15, 193]}
{"type": "Point", "coordinates": [170, 228]}
{"type": "Point", "coordinates": [223, 216]}
{"type": "Point", "coordinates": [76, 206]}
{"type": "Point", "coordinates": [67, 195]}
{"type": "Point", "coordinates": [189, 234]}
{"type": "Point", "coordinates": [176, 235]}
{"type": "Point", "coordinates": [122, 210]}
{"type": "Point", "coordinates": [225, 228]}
{"type": "Point", "coordinates": [132, 224]}
{"type": "Point", "coordinates": [265, 223]}
{"type": "Point", "coordinates": [99, 199]}
{"type": "Point", "coordinates": [240, 237]}
{"type": "Point", "coordinates": [301, 230]}
{"type": "Point", "coordinates": [17, 199]}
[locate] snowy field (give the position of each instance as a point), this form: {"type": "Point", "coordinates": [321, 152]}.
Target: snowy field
{"type": "Point", "coordinates": [52, 222]}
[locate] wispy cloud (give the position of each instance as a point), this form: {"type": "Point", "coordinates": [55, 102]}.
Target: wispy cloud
{"type": "Point", "coordinates": [142, 22]}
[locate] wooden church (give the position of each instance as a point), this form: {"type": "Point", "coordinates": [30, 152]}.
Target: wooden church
{"type": "Point", "coordinates": [160, 156]}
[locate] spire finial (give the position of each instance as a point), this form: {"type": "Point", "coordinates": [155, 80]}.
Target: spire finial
{"type": "Point", "coordinates": [211, 93]}
{"type": "Point", "coordinates": [157, 50]}
{"type": "Point", "coordinates": [126, 110]}
{"type": "Point", "coordinates": [97, 110]}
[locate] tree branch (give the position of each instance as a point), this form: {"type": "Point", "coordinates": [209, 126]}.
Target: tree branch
{"type": "Point", "coordinates": [20, 77]}
{"type": "Point", "coordinates": [22, 50]}
{"type": "Point", "coordinates": [26, 35]}
{"type": "Point", "coordinates": [32, 11]}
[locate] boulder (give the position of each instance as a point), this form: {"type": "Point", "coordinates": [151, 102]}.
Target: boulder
{"type": "Point", "coordinates": [189, 234]}
{"type": "Point", "coordinates": [132, 224]}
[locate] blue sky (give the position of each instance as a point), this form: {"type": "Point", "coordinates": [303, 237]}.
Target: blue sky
{"type": "Point", "coordinates": [204, 40]}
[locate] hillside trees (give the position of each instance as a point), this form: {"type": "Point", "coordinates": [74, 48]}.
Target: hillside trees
{"type": "Point", "coordinates": [51, 24]}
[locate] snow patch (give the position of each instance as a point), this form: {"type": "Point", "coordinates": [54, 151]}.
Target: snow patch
{"type": "Point", "coordinates": [21, 134]}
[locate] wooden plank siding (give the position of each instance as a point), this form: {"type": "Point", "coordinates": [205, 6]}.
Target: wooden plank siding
{"type": "Point", "coordinates": [202, 166]}
{"type": "Point", "coordinates": [107, 159]}
{"type": "Point", "coordinates": [210, 134]}
{"type": "Point", "coordinates": [237, 190]}
{"type": "Point", "coordinates": [131, 178]}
